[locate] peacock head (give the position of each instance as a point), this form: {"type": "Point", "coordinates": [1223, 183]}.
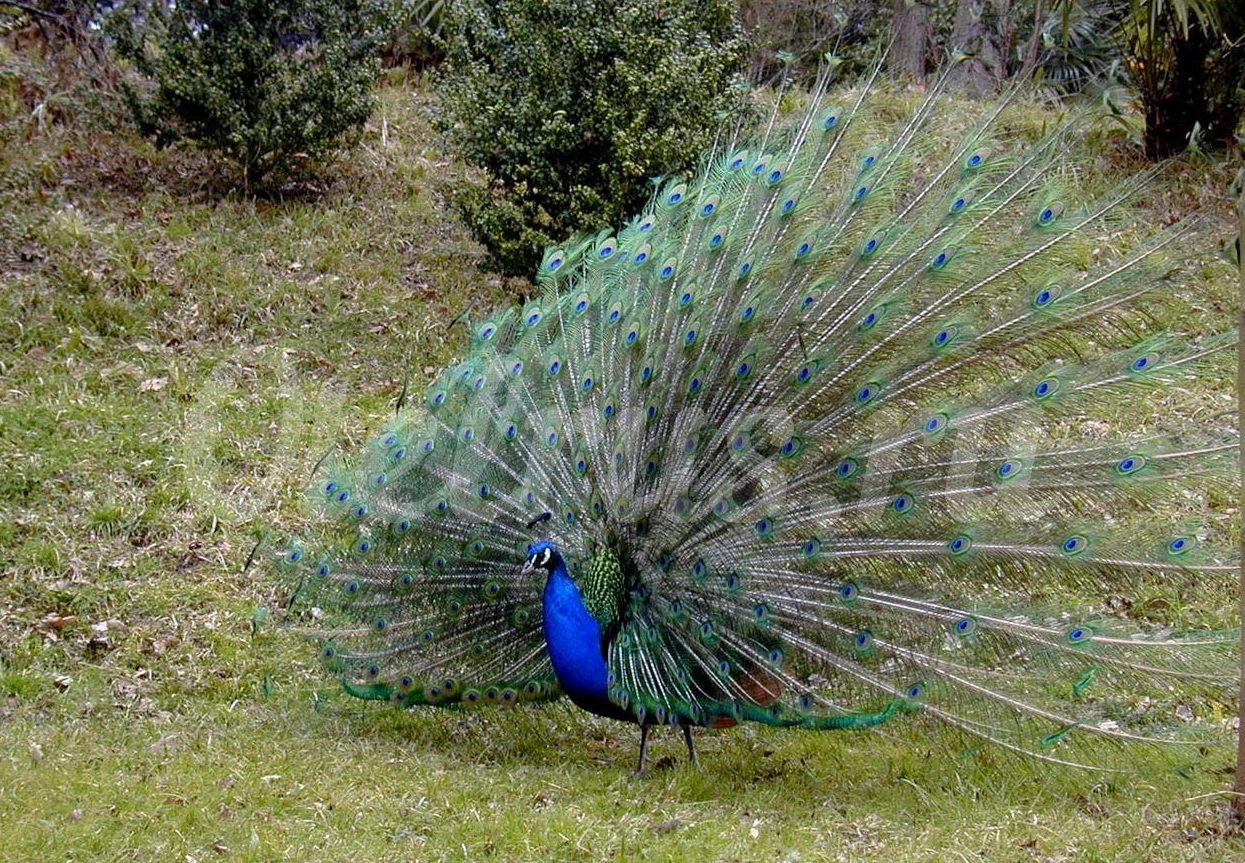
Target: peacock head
{"type": "Point", "coordinates": [542, 555]}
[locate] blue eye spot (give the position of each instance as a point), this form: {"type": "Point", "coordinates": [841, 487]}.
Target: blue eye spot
{"type": "Point", "coordinates": [959, 545]}
{"type": "Point", "coordinates": [860, 193]}
{"type": "Point", "coordinates": [1043, 298]}
{"type": "Point", "coordinates": [716, 240]}
{"type": "Point", "coordinates": [868, 161]}
{"type": "Point", "coordinates": [533, 319]}
{"type": "Point", "coordinates": [743, 371]}
{"type": "Point", "coordinates": [848, 592]}
{"type": "Point", "coordinates": [581, 306]}
{"type": "Point", "coordinates": [1074, 544]}
{"type": "Point", "coordinates": [788, 205]}
{"type": "Point", "coordinates": [343, 496]}
{"type": "Point", "coordinates": [774, 176]}
{"type": "Point", "coordinates": [847, 468]}
{"type": "Point", "coordinates": [330, 487]}
{"type": "Point", "coordinates": [675, 198]}
{"type": "Point", "coordinates": [667, 271]}
{"type": "Point", "coordinates": [607, 411]}
{"type": "Point", "coordinates": [803, 250]}
{"type": "Point", "coordinates": [488, 332]}
{"type": "Point", "coordinates": [958, 205]}
{"type": "Point", "coordinates": [686, 299]}
{"type": "Point", "coordinates": [1046, 388]}
{"type": "Point", "coordinates": [707, 210]}
{"type": "Point", "coordinates": [552, 439]}
{"type": "Point", "coordinates": [974, 160]}
{"type": "Point", "coordinates": [586, 385]}
{"type": "Point", "coordinates": [747, 314]}
{"type": "Point", "coordinates": [870, 247]}
{"type": "Point", "coordinates": [1181, 544]}
{"type": "Point", "coordinates": [690, 337]}
{"type": "Point", "coordinates": [902, 504]}
{"type": "Point", "coordinates": [1131, 464]}
{"type": "Point", "coordinates": [830, 121]}
{"type": "Point", "coordinates": [935, 423]}
{"type": "Point", "coordinates": [1078, 635]}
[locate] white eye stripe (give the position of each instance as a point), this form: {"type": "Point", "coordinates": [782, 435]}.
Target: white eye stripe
{"type": "Point", "coordinates": [544, 557]}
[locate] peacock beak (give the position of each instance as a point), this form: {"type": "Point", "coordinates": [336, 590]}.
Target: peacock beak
{"type": "Point", "coordinates": [528, 566]}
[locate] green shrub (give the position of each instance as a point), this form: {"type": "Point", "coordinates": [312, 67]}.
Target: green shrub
{"type": "Point", "coordinates": [572, 106]}
{"type": "Point", "coordinates": [273, 85]}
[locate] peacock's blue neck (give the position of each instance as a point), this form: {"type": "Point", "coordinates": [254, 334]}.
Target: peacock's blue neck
{"type": "Point", "coordinates": [574, 640]}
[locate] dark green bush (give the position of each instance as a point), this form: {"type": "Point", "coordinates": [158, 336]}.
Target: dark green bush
{"type": "Point", "coordinates": [274, 85]}
{"type": "Point", "coordinates": [572, 106]}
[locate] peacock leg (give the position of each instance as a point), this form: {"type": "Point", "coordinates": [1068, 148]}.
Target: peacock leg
{"type": "Point", "coordinates": [639, 770]}
{"type": "Point", "coordinates": [691, 747]}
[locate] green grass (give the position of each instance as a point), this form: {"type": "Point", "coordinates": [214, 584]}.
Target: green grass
{"type": "Point", "coordinates": [174, 360]}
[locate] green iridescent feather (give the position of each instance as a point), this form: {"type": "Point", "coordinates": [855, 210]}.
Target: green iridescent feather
{"type": "Point", "coordinates": [818, 434]}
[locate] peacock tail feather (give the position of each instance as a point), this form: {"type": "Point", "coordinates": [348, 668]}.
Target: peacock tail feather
{"type": "Point", "coordinates": [811, 433]}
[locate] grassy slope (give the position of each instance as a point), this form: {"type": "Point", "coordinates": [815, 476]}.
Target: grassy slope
{"type": "Point", "coordinates": [172, 364]}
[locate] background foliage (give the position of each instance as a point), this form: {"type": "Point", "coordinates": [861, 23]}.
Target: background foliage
{"type": "Point", "coordinates": [267, 83]}
{"type": "Point", "coordinates": [571, 106]}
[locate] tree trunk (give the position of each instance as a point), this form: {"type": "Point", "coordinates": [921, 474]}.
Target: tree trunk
{"type": "Point", "coordinates": [1181, 103]}
{"type": "Point", "coordinates": [976, 32]}
{"type": "Point", "coordinates": [910, 36]}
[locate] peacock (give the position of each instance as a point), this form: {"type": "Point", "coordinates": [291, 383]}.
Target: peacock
{"type": "Point", "coordinates": [813, 441]}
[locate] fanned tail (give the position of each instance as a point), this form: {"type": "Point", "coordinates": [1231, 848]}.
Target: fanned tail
{"type": "Point", "coordinates": [828, 403]}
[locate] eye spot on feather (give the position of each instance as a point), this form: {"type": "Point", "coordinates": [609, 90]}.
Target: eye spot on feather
{"type": "Point", "coordinates": [1130, 464]}
{"type": "Point", "coordinates": [1046, 388]}
{"type": "Point", "coordinates": [935, 424]}
{"type": "Point", "coordinates": [960, 545]}
{"type": "Point", "coordinates": [964, 627]}
{"type": "Point", "coordinates": [1010, 469]}
{"type": "Point", "coordinates": [867, 393]}
{"type": "Point", "coordinates": [1181, 545]}
{"type": "Point", "coordinates": [1078, 635]}
{"type": "Point", "coordinates": [1074, 544]}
